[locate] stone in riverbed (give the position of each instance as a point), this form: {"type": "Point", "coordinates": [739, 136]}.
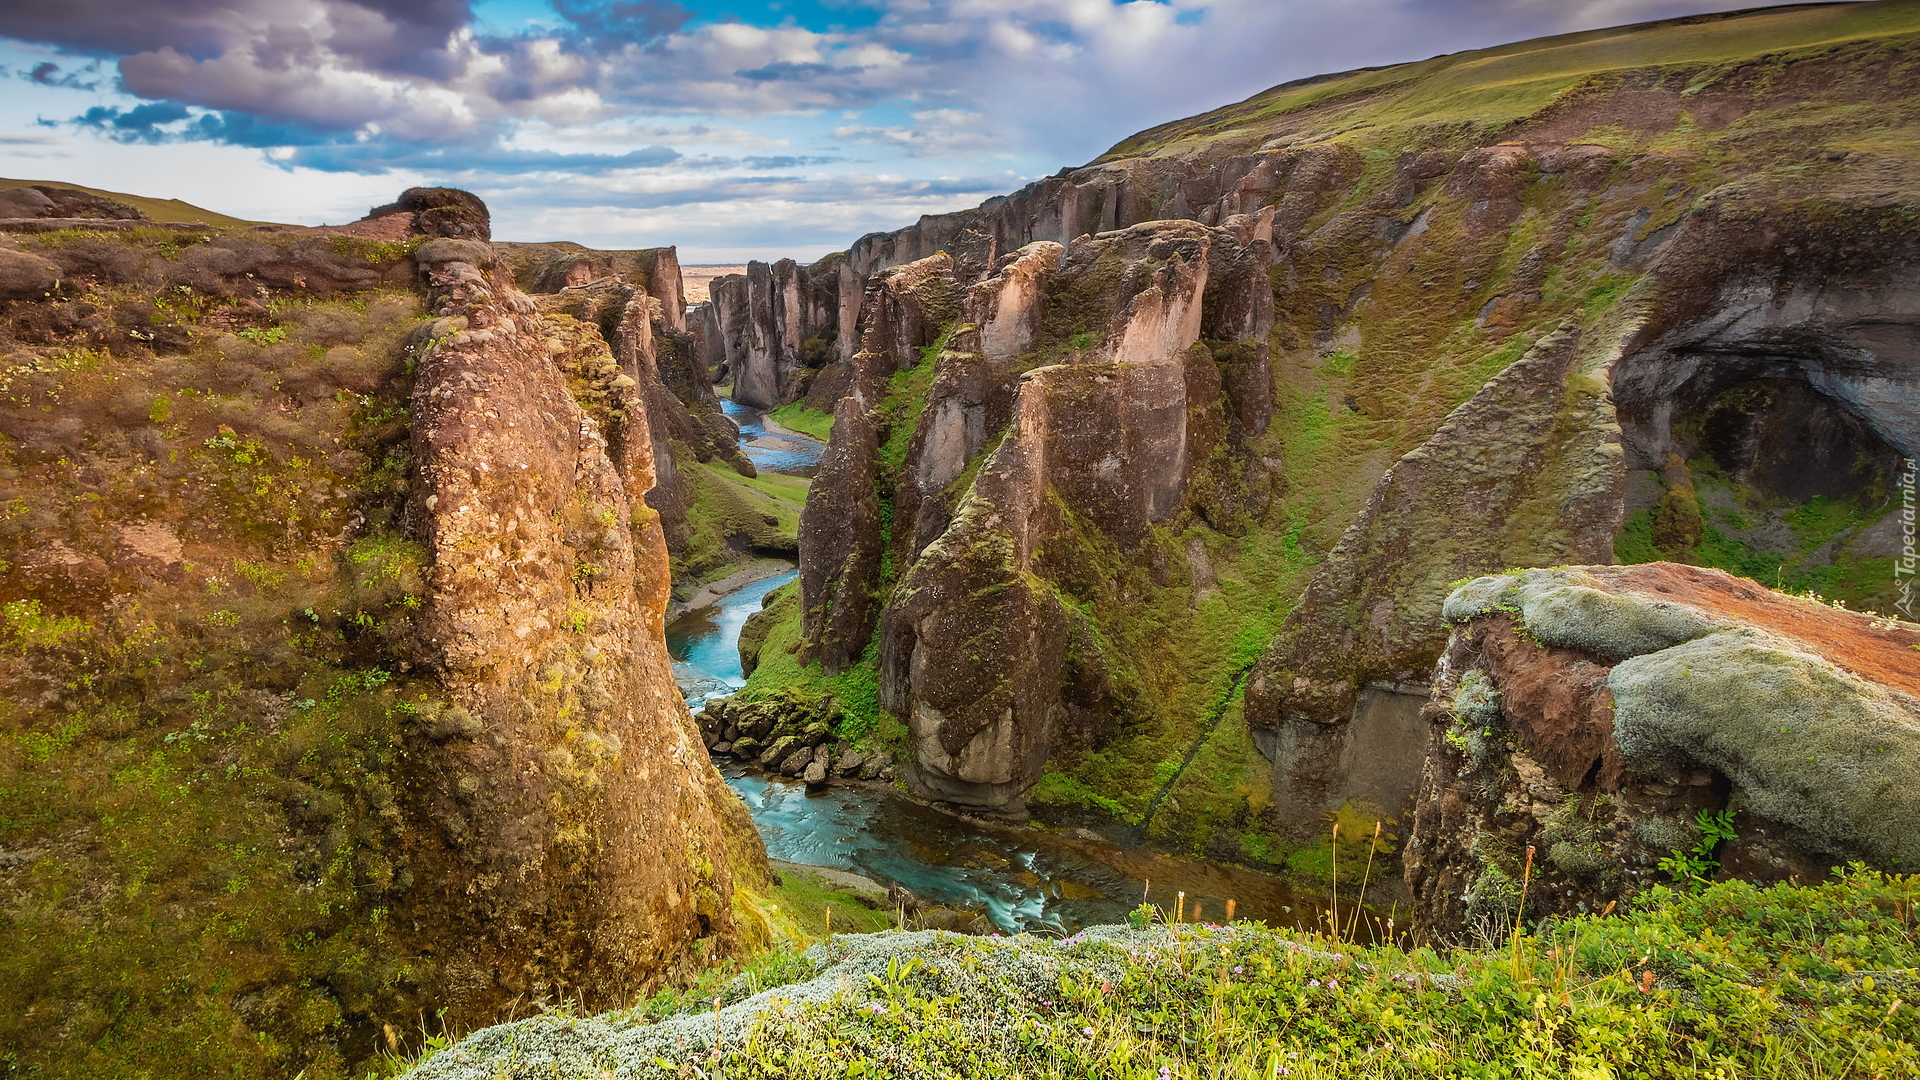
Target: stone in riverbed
{"type": "Point", "coordinates": [797, 761]}
{"type": "Point", "coordinates": [850, 763]}
{"type": "Point", "coordinates": [778, 750]}
{"type": "Point", "coordinates": [723, 748]}
{"type": "Point", "coordinates": [748, 747]}
{"type": "Point", "coordinates": [817, 771]}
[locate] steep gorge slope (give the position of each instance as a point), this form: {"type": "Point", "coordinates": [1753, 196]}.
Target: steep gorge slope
{"type": "Point", "coordinates": [336, 690]}
{"type": "Point", "coordinates": [1103, 526]}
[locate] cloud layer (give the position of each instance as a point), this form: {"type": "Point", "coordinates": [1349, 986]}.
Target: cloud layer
{"type": "Point", "coordinates": [620, 96]}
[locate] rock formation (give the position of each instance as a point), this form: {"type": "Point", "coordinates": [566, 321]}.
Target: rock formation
{"type": "Point", "coordinates": [376, 603]}
{"type": "Point", "coordinates": [1074, 383]}
{"type": "Point", "coordinates": [591, 847]}
{"type": "Point", "coordinates": [1591, 715]}
{"type": "Point", "coordinates": [1524, 345]}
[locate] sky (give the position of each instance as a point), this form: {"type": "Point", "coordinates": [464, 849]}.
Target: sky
{"type": "Point", "coordinates": [734, 129]}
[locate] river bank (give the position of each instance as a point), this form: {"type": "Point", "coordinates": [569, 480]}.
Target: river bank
{"type": "Point", "coordinates": [713, 592]}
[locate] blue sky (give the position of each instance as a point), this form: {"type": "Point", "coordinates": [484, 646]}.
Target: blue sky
{"type": "Point", "coordinates": [733, 128]}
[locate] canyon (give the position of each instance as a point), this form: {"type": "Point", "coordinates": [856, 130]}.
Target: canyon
{"type": "Point", "coordinates": [1147, 482]}
{"type": "Point", "coordinates": [1487, 472]}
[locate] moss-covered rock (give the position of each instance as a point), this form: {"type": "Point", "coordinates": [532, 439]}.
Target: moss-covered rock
{"type": "Point", "coordinates": [1659, 721]}
{"type": "Point", "coordinates": [1804, 742]}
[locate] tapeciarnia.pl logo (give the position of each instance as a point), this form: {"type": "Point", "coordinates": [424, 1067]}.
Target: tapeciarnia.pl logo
{"type": "Point", "coordinates": [1905, 566]}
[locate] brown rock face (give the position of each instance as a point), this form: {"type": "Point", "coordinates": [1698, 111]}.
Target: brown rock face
{"type": "Point", "coordinates": [586, 834]}
{"type": "Point", "coordinates": [447, 212]}
{"type": "Point", "coordinates": [773, 334]}
{"type": "Point", "coordinates": [976, 651]}
{"type": "Point", "coordinates": [840, 542]}
{"type": "Point", "coordinates": [620, 295]}
{"type": "Point", "coordinates": [1591, 713]}
{"type": "Point", "coordinates": [1367, 624]}
{"type": "Point", "coordinates": [840, 528]}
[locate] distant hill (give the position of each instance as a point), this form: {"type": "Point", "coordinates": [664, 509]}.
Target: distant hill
{"type": "Point", "coordinates": [1482, 91]}
{"type": "Point", "coordinates": [155, 209]}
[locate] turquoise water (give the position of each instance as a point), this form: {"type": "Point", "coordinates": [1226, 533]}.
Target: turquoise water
{"type": "Point", "coordinates": [1021, 877]}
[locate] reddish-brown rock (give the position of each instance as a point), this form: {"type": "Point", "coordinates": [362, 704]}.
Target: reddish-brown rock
{"type": "Point", "coordinates": [1590, 713]}
{"type": "Point", "coordinates": [587, 837]}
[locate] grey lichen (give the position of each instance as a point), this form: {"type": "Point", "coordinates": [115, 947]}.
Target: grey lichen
{"type": "Point", "coordinates": [1666, 832]}
{"type": "Point", "coordinates": [1567, 609]}
{"type": "Point", "coordinates": [1476, 718]}
{"type": "Point", "coordinates": [1807, 743]}
{"type": "Point", "coordinates": [1481, 596]}
{"type": "Point", "coordinates": [1606, 624]}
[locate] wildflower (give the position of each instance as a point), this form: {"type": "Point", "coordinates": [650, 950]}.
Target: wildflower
{"type": "Point", "coordinates": [876, 1008]}
{"type": "Point", "coordinates": [1166, 1073]}
{"type": "Point", "coordinates": [1313, 982]}
{"type": "Point", "coordinates": [1333, 984]}
{"type": "Point", "coordinates": [1239, 970]}
{"type": "Point", "coordinates": [1086, 1031]}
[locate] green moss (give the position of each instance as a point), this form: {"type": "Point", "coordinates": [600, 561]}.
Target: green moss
{"type": "Point", "coordinates": [905, 400]}
{"type": "Point", "coordinates": [727, 512]}
{"type": "Point", "coordinates": [1059, 789]}
{"type": "Point", "coordinates": [852, 696]}
{"type": "Point", "coordinates": [1817, 524]}
{"type": "Point", "coordinates": [807, 421]}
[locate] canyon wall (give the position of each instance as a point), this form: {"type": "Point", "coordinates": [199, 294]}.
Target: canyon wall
{"type": "Point", "coordinates": [1593, 323]}
{"type": "Point", "coordinates": [331, 629]}
{"type": "Point", "coordinates": [591, 844]}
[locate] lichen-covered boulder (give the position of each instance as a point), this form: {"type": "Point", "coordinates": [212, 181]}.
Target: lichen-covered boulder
{"type": "Point", "coordinates": [1594, 714]}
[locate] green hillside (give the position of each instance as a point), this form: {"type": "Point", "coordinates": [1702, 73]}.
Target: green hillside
{"type": "Point", "coordinates": [1481, 91]}
{"type": "Point", "coordinates": [156, 209]}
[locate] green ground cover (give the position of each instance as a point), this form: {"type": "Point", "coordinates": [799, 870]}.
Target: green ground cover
{"type": "Point", "coordinates": [804, 420]}
{"type": "Point", "coordinates": [1730, 982]}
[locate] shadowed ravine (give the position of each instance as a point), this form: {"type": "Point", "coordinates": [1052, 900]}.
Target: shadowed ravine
{"type": "Point", "coordinates": [1021, 877]}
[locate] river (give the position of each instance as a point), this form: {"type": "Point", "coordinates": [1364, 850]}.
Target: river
{"type": "Point", "coordinates": [1022, 877]}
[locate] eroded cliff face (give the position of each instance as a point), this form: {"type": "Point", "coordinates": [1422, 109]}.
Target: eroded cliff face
{"type": "Point", "coordinates": [1074, 387]}
{"type": "Point", "coordinates": [335, 540]}
{"type": "Point", "coordinates": [1769, 347]}
{"type": "Point", "coordinates": [587, 834]}
{"type": "Point", "coordinates": [1591, 715]}
{"type": "Point", "coordinates": [1585, 324]}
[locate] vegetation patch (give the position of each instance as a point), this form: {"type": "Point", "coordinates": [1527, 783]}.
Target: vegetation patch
{"type": "Point", "coordinates": [1732, 980]}
{"type": "Point", "coordinates": [203, 776]}
{"type": "Point", "coordinates": [806, 421]}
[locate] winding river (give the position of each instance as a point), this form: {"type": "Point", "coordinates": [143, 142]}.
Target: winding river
{"type": "Point", "coordinates": [1022, 877]}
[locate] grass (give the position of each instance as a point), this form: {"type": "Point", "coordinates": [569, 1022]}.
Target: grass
{"type": "Point", "coordinates": [1731, 981]}
{"type": "Point", "coordinates": [855, 692]}
{"type": "Point", "coordinates": [1485, 89]}
{"type": "Point", "coordinates": [727, 511]}
{"type": "Point", "coordinates": [155, 209]}
{"type": "Point", "coordinates": [807, 421]}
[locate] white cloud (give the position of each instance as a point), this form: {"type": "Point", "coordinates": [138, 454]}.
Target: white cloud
{"type": "Point", "coordinates": [749, 111]}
